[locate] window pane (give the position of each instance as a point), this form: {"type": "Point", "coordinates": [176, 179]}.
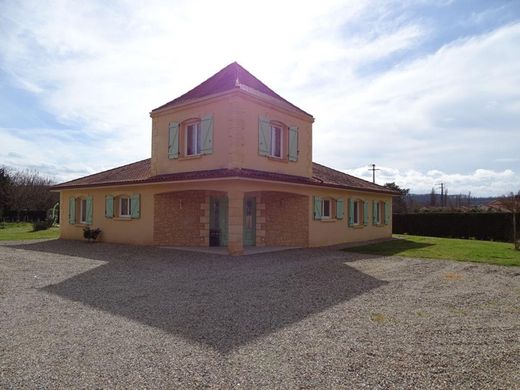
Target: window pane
{"type": "Point", "coordinates": [190, 140]}
{"type": "Point", "coordinates": [83, 210]}
{"type": "Point", "coordinates": [276, 141]}
{"type": "Point", "coordinates": [326, 208]}
{"type": "Point", "coordinates": [198, 138]}
{"type": "Point", "coordinates": [124, 206]}
{"type": "Point", "coordinates": [356, 215]}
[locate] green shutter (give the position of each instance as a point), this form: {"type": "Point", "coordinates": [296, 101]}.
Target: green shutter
{"type": "Point", "coordinates": [387, 213]}
{"type": "Point", "coordinates": [317, 207]}
{"type": "Point", "coordinates": [350, 212]}
{"type": "Point", "coordinates": [339, 208]}
{"type": "Point", "coordinates": [293, 143]}
{"type": "Point", "coordinates": [206, 126]}
{"type": "Point", "coordinates": [264, 137]}
{"type": "Point", "coordinates": [365, 213]}
{"type": "Point", "coordinates": [135, 206]}
{"type": "Point", "coordinates": [89, 210]}
{"type": "Point", "coordinates": [72, 210]}
{"type": "Point", "coordinates": [109, 206]}
{"type": "Point", "coordinates": [173, 140]}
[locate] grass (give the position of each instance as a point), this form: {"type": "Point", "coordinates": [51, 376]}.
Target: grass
{"type": "Point", "coordinates": [11, 231]}
{"type": "Point", "coordinates": [444, 248]}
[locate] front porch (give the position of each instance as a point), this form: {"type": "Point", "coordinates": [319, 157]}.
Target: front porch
{"type": "Point", "coordinates": [231, 221]}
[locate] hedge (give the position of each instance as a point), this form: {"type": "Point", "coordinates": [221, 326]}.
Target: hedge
{"type": "Point", "coordinates": [480, 226]}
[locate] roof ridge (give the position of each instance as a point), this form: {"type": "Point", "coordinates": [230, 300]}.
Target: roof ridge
{"type": "Point", "coordinates": [226, 79]}
{"type": "Point", "coordinates": [105, 171]}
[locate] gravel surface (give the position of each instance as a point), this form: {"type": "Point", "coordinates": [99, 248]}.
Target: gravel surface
{"type": "Point", "coordinates": [77, 315]}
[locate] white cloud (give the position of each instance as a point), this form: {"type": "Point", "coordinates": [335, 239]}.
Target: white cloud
{"type": "Point", "coordinates": [481, 182]}
{"type": "Point", "coordinates": [101, 69]}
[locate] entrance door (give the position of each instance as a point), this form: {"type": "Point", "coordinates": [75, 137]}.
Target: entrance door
{"type": "Point", "coordinates": [218, 221]}
{"type": "Point", "coordinates": [249, 222]}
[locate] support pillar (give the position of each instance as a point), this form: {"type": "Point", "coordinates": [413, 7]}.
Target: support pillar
{"type": "Point", "coordinates": [236, 223]}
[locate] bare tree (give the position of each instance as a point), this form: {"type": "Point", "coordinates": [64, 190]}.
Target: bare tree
{"type": "Point", "coordinates": [29, 191]}
{"type": "Point", "coordinates": [511, 202]}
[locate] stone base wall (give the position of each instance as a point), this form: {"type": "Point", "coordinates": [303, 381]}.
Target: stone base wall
{"type": "Point", "coordinates": [181, 219]}
{"type": "Point", "coordinates": [284, 219]}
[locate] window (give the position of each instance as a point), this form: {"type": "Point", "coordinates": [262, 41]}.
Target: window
{"type": "Point", "coordinates": [83, 211]}
{"type": "Point", "coordinates": [357, 212]}
{"type": "Point", "coordinates": [326, 211]}
{"type": "Point", "coordinates": [377, 213]}
{"type": "Point", "coordinates": [193, 139]}
{"type": "Point", "coordinates": [276, 141]}
{"type": "Point", "coordinates": [125, 207]}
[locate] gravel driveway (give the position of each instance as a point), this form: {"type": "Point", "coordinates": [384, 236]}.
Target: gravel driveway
{"type": "Point", "coordinates": [77, 315]}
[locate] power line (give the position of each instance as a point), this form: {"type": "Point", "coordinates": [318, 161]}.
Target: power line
{"type": "Point", "coordinates": [373, 169]}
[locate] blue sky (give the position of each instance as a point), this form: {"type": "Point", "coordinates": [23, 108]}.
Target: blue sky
{"type": "Point", "coordinates": [427, 90]}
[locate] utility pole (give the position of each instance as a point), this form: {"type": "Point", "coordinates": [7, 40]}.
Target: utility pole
{"type": "Point", "coordinates": [442, 193]}
{"type": "Point", "coordinates": [373, 169]}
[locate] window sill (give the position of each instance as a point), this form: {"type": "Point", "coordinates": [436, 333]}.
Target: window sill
{"type": "Point", "coordinates": [81, 224]}
{"type": "Point", "coordinates": [279, 159]}
{"type": "Point", "coordinates": [122, 218]}
{"type": "Point", "coordinates": [359, 226]}
{"type": "Point", "coordinates": [190, 157]}
{"type": "Point", "coordinates": [329, 220]}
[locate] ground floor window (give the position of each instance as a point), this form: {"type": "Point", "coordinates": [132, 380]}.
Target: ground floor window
{"type": "Point", "coordinates": [83, 211]}
{"type": "Point", "coordinates": [377, 213]}
{"type": "Point", "coordinates": [357, 212]}
{"type": "Point", "coordinates": [326, 208]}
{"type": "Point", "coordinates": [125, 207]}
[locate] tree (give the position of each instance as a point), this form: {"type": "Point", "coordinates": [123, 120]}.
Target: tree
{"type": "Point", "coordinates": [511, 202]}
{"type": "Point", "coordinates": [433, 197]}
{"type": "Point", "coordinates": [5, 183]}
{"type": "Point", "coordinates": [29, 191]}
{"type": "Point", "coordinates": [399, 204]}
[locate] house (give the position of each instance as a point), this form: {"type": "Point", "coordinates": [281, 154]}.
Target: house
{"type": "Point", "coordinates": [231, 165]}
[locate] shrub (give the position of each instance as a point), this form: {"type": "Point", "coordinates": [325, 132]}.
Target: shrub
{"type": "Point", "coordinates": [91, 234]}
{"type": "Point", "coordinates": [42, 225]}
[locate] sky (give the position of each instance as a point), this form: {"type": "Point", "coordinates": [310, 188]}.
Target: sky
{"type": "Point", "coordinates": [429, 91]}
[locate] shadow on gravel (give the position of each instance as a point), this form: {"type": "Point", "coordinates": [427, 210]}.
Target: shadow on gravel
{"type": "Point", "coordinates": [220, 301]}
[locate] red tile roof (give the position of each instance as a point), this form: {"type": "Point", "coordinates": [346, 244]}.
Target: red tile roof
{"type": "Point", "coordinates": [140, 173]}
{"type": "Point", "coordinates": [231, 77]}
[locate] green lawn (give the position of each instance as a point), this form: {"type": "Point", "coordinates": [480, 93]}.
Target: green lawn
{"type": "Point", "coordinates": [23, 231]}
{"type": "Point", "coordinates": [444, 248]}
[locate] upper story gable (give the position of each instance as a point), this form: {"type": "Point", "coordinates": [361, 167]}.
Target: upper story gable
{"type": "Point", "coordinates": [231, 120]}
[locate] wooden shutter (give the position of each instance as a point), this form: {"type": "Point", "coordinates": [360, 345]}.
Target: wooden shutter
{"type": "Point", "coordinates": [317, 207]}
{"type": "Point", "coordinates": [72, 210]}
{"type": "Point", "coordinates": [135, 206]}
{"type": "Point", "coordinates": [339, 208]}
{"type": "Point", "coordinates": [264, 137]}
{"type": "Point", "coordinates": [350, 212]}
{"type": "Point", "coordinates": [206, 126]}
{"type": "Point", "coordinates": [387, 213]}
{"type": "Point", "coordinates": [365, 213]}
{"type": "Point", "coordinates": [173, 140]}
{"type": "Point", "coordinates": [109, 206]}
{"type": "Point", "coordinates": [293, 143]}
{"type": "Point", "coordinates": [89, 210]}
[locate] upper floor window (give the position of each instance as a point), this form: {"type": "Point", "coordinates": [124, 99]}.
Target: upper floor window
{"type": "Point", "coordinates": [276, 141]}
{"type": "Point", "coordinates": [193, 139]}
